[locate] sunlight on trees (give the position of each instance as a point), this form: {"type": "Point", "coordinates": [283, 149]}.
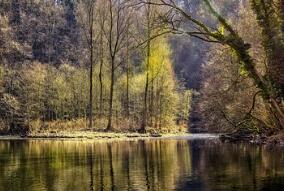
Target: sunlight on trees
{"type": "Point", "coordinates": [92, 69]}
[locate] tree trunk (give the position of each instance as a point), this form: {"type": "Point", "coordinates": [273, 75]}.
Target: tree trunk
{"type": "Point", "coordinates": [145, 104]}
{"type": "Point", "coordinates": [109, 126]}
{"type": "Point", "coordinates": [272, 39]}
{"type": "Point", "coordinates": [91, 70]}
{"type": "Point", "coordinates": [151, 107]}
{"type": "Point", "coordinates": [127, 79]}
{"type": "Point", "coordinates": [278, 113]}
{"type": "Point", "coordinates": [281, 6]}
{"type": "Point", "coordinates": [127, 73]}
{"type": "Point", "coordinates": [101, 77]}
{"type": "Point", "coordinates": [269, 93]}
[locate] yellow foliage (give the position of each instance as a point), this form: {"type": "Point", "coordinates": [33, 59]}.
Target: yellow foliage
{"type": "Point", "coordinates": [222, 30]}
{"type": "Point", "coordinates": [162, 82]}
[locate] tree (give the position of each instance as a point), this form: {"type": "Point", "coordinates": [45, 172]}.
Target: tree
{"type": "Point", "coordinates": [11, 51]}
{"type": "Point", "coordinates": [115, 32]}
{"type": "Point", "coordinates": [72, 31]}
{"type": "Point", "coordinates": [149, 23]}
{"type": "Point", "coordinates": [163, 96]}
{"type": "Point", "coordinates": [15, 12]}
{"type": "Point", "coordinates": [227, 35]}
{"type": "Point", "coordinates": [228, 97]}
{"type": "Point", "coordinates": [88, 25]}
{"type": "Point", "coordinates": [46, 79]}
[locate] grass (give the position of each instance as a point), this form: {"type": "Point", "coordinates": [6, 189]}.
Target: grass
{"type": "Point", "coordinates": [79, 129]}
{"type": "Point", "coordinates": [87, 134]}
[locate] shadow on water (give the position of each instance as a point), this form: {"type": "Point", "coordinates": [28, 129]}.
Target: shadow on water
{"type": "Point", "coordinates": [197, 164]}
{"type": "Point", "coordinates": [90, 162]}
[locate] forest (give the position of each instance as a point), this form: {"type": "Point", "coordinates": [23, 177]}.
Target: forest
{"type": "Point", "coordinates": [150, 95]}
{"type": "Point", "coordinates": [142, 66]}
{"type": "Point", "coordinates": [86, 64]}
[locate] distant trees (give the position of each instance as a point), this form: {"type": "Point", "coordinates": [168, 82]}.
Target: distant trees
{"type": "Point", "coordinates": [15, 18]}
{"type": "Point", "coordinates": [48, 93]}
{"type": "Point", "coordinates": [11, 50]}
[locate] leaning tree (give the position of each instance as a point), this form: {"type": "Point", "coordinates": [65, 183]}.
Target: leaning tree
{"type": "Point", "coordinates": [270, 16]}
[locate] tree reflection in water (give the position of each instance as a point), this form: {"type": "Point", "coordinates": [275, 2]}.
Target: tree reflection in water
{"type": "Point", "coordinates": [139, 165]}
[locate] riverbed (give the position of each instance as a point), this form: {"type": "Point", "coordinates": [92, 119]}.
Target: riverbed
{"type": "Point", "coordinates": [195, 162]}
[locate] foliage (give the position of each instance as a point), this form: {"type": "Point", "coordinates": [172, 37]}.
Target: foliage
{"type": "Point", "coordinates": [46, 93]}
{"type": "Point", "coordinates": [229, 98]}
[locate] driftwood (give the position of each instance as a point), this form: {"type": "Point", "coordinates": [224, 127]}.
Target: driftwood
{"type": "Point", "coordinates": [270, 136]}
{"type": "Point", "coordinates": [244, 135]}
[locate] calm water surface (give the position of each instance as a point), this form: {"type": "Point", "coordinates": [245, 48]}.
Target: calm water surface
{"type": "Point", "coordinates": [150, 165]}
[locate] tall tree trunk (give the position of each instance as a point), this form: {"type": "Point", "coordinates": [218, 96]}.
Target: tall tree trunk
{"type": "Point", "coordinates": [101, 76]}
{"type": "Point", "coordinates": [272, 35]}
{"type": "Point", "coordinates": [145, 105]}
{"type": "Point", "coordinates": [151, 107]}
{"type": "Point", "coordinates": [281, 6]}
{"type": "Point", "coordinates": [109, 126]}
{"type": "Point", "coordinates": [127, 91]}
{"type": "Point", "coordinates": [91, 70]}
{"type": "Point", "coordinates": [270, 18]}
{"type": "Point", "coordinates": [278, 113]}
{"type": "Point", "coordinates": [269, 93]}
{"type": "Point", "coordinates": [127, 77]}
{"type": "Point", "coordinates": [145, 100]}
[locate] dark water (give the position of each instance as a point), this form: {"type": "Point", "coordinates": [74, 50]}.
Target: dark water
{"type": "Point", "coordinates": [148, 165]}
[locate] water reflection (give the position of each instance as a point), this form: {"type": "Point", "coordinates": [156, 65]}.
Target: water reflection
{"type": "Point", "coordinates": [138, 165]}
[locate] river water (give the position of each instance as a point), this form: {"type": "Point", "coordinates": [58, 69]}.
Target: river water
{"type": "Point", "coordinates": [184, 163]}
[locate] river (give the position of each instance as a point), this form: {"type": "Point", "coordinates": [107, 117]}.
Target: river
{"type": "Point", "coordinates": [183, 163]}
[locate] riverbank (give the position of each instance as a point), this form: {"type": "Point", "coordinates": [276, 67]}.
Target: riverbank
{"type": "Point", "coordinates": [79, 129]}
{"type": "Point", "coordinates": [269, 137]}
{"type": "Point", "coordinates": [92, 135]}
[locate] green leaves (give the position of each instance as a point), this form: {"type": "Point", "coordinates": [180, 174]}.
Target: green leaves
{"type": "Point", "coordinates": [243, 71]}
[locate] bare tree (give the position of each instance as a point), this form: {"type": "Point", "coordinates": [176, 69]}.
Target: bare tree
{"type": "Point", "coordinates": [148, 48]}
{"type": "Point", "coordinates": [101, 21]}
{"type": "Point", "coordinates": [116, 34]}
{"type": "Point", "coordinates": [88, 22]}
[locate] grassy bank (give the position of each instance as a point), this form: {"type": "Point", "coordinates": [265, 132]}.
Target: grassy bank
{"type": "Point", "coordinates": [79, 129]}
{"type": "Point", "coordinates": [121, 125]}
{"type": "Point", "coordinates": [100, 135]}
